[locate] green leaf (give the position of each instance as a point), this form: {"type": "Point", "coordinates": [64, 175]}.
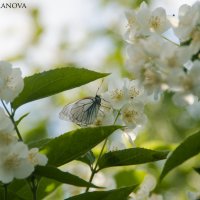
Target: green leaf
{"type": "Point", "coordinates": [10, 195]}
{"type": "Point", "coordinates": [19, 189]}
{"type": "Point", "coordinates": [13, 189]}
{"type": "Point", "coordinates": [46, 186]}
{"type": "Point", "coordinates": [88, 158]}
{"type": "Point", "coordinates": [187, 149]}
{"type": "Point", "coordinates": [39, 143]}
{"type": "Point", "coordinates": [132, 156]}
{"type": "Point", "coordinates": [72, 145]}
{"type": "Point", "coordinates": [63, 177]}
{"type": "Point", "coordinates": [117, 194]}
{"type": "Point", "coordinates": [51, 82]}
{"type": "Point", "coordinates": [21, 118]}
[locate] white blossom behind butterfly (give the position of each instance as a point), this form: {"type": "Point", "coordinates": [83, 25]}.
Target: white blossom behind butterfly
{"type": "Point", "coordinates": [82, 112]}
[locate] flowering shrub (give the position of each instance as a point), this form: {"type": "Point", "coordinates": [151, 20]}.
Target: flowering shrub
{"type": "Point", "coordinates": [156, 65]}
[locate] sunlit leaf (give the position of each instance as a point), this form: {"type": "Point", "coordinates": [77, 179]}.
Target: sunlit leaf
{"type": "Point", "coordinates": [186, 150]}
{"type": "Point", "coordinates": [63, 177]}
{"type": "Point", "coordinates": [39, 143]}
{"type": "Point", "coordinates": [132, 156]}
{"type": "Point", "coordinates": [74, 144]}
{"type": "Point", "coordinates": [117, 194]}
{"type": "Point", "coordinates": [51, 82]}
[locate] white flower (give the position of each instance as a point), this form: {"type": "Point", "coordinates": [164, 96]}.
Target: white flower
{"type": "Point", "coordinates": [128, 110]}
{"type": "Point", "coordinates": [14, 162]}
{"type": "Point", "coordinates": [190, 81]}
{"type": "Point", "coordinates": [37, 158]}
{"type": "Point", "coordinates": [116, 94]}
{"type": "Point", "coordinates": [157, 64]}
{"type": "Point", "coordinates": [138, 22]}
{"type": "Point", "coordinates": [116, 141]}
{"type": "Point", "coordinates": [132, 114]}
{"type": "Point", "coordinates": [188, 85]}
{"type": "Point", "coordinates": [193, 81]}
{"type": "Point", "coordinates": [131, 134]}
{"type": "Point", "coordinates": [158, 21]}
{"type": "Point", "coordinates": [194, 110]}
{"type": "Point", "coordinates": [135, 91]}
{"type": "Point", "coordinates": [7, 139]}
{"type": "Point", "coordinates": [143, 22]}
{"type": "Point", "coordinates": [147, 186]}
{"type": "Point", "coordinates": [173, 60]}
{"type": "Point", "coordinates": [145, 189]}
{"type": "Point", "coordinates": [137, 58]}
{"type": "Point", "coordinates": [6, 130]}
{"type": "Point", "coordinates": [122, 138]}
{"type": "Point", "coordinates": [122, 92]}
{"type": "Point", "coordinates": [11, 82]}
{"type": "Point", "coordinates": [5, 123]}
{"type": "Point", "coordinates": [104, 180]}
{"type": "Point", "coordinates": [104, 119]}
{"type": "Point", "coordinates": [173, 57]}
{"type": "Point", "coordinates": [189, 25]}
{"type": "Point", "coordinates": [144, 63]}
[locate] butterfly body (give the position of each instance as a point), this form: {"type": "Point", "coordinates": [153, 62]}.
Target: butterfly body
{"type": "Point", "coordinates": [82, 112]}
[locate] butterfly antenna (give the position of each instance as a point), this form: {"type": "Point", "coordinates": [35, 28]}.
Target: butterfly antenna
{"type": "Point", "coordinates": [99, 86]}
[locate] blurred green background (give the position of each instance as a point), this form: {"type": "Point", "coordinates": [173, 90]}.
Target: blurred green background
{"type": "Point", "coordinates": [49, 34]}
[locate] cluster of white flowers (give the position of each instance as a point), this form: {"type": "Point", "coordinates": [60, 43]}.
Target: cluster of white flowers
{"type": "Point", "coordinates": [143, 22]}
{"type": "Point", "coordinates": [156, 62]}
{"type": "Point", "coordinates": [11, 82]}
{"type": "Point", "coordinates": [144, 192]}
{"type": "Point", "coordinates": [17, 161]}
{"type": "Point", "coordinates": [188, 29]}
{"type": "Point", "coordinates": [156, 65]}
{"type": "Point", "coordinates": [123, 104]}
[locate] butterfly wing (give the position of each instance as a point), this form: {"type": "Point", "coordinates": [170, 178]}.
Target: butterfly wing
{"type": "Point", "coordinates": [65, 113]}
{"type": "Point", "coordinates": [82, 112]}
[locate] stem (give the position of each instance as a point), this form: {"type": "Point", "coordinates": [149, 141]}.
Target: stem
{"type": "Point", "coordinates": [96, 165]}
{"type": "Point", "coordinates": [33, 183]}
{"type": "Point", "coordinates": [170, 41]}
{"type": "Point", "coordinates": [94, 170]}
{"type": "Point", "coordinates": [11, 116]}
{"type": "Point", "coordinates": [5, 191]}
{"type": "Point", "coordinates": [34, 191]}
{"type": "Point", "coordinates": [118, 113]}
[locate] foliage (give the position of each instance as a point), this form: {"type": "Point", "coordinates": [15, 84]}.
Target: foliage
{"type": "Point", "coordinates": [110, 157]}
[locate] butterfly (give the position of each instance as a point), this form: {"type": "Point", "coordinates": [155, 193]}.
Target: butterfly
{"type": "Point", "coordinates": [82, 112]}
